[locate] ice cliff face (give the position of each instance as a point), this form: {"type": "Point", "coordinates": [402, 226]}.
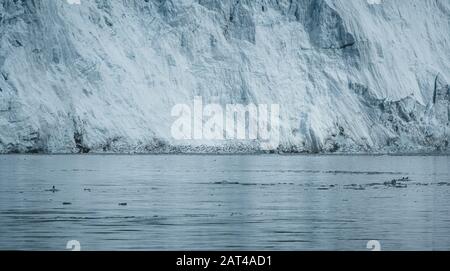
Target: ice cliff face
{"type": "Point", "coordinates": [103, 76]}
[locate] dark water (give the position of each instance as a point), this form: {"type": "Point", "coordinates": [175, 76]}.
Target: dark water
{"type": "Point", "coordinates": [225, 202]}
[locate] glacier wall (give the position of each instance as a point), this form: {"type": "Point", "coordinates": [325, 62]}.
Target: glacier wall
{"type": "Point", "coordinates": [102, 76]}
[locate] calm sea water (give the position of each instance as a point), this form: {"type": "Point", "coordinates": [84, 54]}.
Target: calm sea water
{"type": "Point", "coordinates": [266, 202]}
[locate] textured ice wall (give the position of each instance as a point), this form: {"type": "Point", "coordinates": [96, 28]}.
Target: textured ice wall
{"type": "Point", "coordinates": [104, 75]}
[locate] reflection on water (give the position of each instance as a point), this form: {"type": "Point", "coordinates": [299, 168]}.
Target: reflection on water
{"type": "Point", "coordinates": [202, 202]}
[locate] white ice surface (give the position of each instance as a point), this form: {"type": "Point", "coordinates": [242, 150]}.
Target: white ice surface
{"type": "Point", "coordinates": [103, 76]}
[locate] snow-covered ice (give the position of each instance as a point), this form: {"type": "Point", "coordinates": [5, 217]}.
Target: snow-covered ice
{"type": "Point", "coordinates": [103, 76]}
